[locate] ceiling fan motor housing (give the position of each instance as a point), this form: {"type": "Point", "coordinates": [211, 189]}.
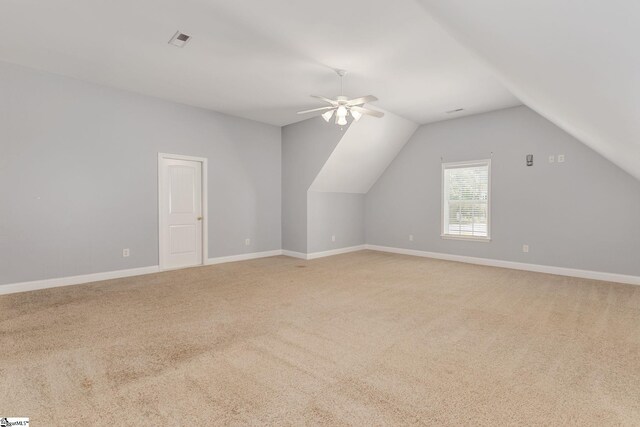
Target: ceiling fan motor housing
{"type": "Point", "coordinates": [342, 106]}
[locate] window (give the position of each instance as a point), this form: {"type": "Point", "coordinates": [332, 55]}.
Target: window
{"type": "Point", "coordinates": [465, 200]}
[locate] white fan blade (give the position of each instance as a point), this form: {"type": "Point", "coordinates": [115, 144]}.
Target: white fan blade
{"type": "Point", "coordinates": [362, 100]}
{"type": "Point", "coordinates": [330, 101]}
{"type": "Point", "coordinates": [373, 113]}
{"type": "Point", "coordinates": [315, 110]}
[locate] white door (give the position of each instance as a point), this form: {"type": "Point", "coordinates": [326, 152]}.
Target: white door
{"type": "Point", "coordinates": [181, 212]}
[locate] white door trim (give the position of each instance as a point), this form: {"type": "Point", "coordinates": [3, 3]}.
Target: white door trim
{"type": "Point", "coordinates": [205, 205]}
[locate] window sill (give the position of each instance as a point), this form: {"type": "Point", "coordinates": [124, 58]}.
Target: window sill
{"type": "Point", "coordinates": [468, 238]}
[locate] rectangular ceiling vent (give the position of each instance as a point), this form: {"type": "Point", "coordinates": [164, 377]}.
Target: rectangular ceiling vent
{"type": "Point", "coordinates": [457, 110]}
{"type": "Point", "coordinates": [179, 39]}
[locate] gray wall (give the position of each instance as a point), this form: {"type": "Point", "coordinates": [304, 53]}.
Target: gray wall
{"type": "Point", "coordinates": [334, 214]}
{"type": "Point", "coordinates": [78, 167]}
{"type": "Point", "coordinates": [584, 213]}
{"type": "Point", "coordinates": [306, 146]}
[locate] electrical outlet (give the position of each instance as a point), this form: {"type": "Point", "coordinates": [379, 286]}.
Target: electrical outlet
{"type": "Point", "coordinates": [411, 237]}
{"type": "Point", "coordinates": [552, 159]}
{"type": "Point", "coordinates": [333, 238]}
{"type": "Point", "coordinates": [525, 248]}
{"type": "Point", "coordinates": [126, 252]}
{"type": "Point", "coordinates": [247, 242]}
{"type": "Point", "coordinates": [560, 158]}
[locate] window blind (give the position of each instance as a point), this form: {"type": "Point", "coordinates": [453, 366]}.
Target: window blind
{"type": "Point", "coordinates": [466, 199]}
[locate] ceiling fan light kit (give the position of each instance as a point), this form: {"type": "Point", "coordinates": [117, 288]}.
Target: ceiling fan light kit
{"type": "Point", "coordinates": [344, 107]}
{"type": "Point", "coordinates": [327, 116]}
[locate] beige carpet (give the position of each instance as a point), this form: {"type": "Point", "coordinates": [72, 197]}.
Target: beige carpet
{"type": "Point", "coordinates": [360, 339]}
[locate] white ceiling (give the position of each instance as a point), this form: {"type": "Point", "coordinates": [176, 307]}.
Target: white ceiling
{"type": "Point", "coordinates": [576, 62]}
{"type": "Point", "coordinates": [254, 58]}
{"type": "Point", "coordinates": [366, 149]}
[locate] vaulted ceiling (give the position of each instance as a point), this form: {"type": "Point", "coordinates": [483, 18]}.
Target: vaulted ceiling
{"type": "Point", "coordinates": [254, 58]}
{"type": "Point", "coordinates": [365, 150]}
{"type": "Point", "coordinates": [576, 62]}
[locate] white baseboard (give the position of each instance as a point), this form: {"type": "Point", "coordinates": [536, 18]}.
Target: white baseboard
{"type": "Point", "coordinates": [561, 271]}
{"type": "Point", "coordinates": [243, 257]}
{"type": "Point", "coordinates": [323, 254]}
{"type": "Point", "coordinates": [294, 254]}
{"type": "Point", "coordinates": [338, 251]}
{"type": "Point", "coordinates": [75, 280]}
{"type": "Point", "coordinates": [96, 277]}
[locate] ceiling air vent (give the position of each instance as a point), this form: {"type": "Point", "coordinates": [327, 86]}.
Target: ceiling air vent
{"type": "Point", "coordinates": [457, 110]}
{"type": "Point", "coordinates": [179, 39]}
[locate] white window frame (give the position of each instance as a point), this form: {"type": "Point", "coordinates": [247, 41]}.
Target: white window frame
{"type": "Point", "coordinates": [452, 165]}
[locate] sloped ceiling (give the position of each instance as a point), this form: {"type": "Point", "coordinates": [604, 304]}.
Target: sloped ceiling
{"type": "Point", "coordinates": [363, 153]}
{"type": "Point", "coordinates": [576, 62]}
{"type": "Point", "coordinates": [254, 58]}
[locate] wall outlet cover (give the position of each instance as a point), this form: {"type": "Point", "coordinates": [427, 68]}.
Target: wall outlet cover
{"type": "Point", "coordinates": [552, 159]}
{"type": "Point", "coordinates": [126, 252]}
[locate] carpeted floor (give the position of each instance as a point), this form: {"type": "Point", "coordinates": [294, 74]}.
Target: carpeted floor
{"type": "Point", "coordinates": [365, 338]}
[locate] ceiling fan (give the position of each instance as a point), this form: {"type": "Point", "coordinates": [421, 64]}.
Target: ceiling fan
{"type": "Point", "coordinates": [343, 106]}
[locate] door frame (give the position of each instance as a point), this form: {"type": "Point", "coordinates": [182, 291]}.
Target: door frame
{"type": "Point", "coordinates": [205, 205]}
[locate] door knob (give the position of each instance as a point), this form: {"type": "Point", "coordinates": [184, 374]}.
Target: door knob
{"type": "Point", "coordinates": [199, 218]}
